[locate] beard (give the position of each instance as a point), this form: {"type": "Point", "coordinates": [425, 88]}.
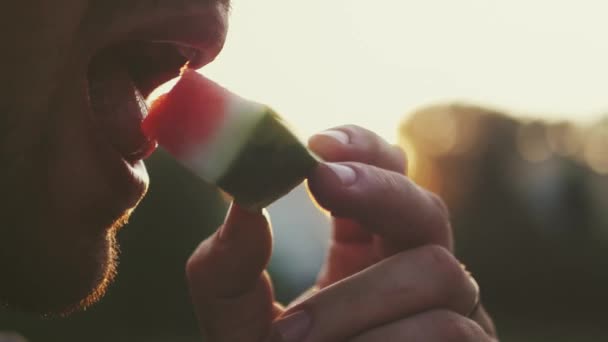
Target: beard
{"type": "Point", "coordinates": [52, 262]}
{"type": "Point", "coordinates": [57, 274]}
{"type": "Point", "coordinates": [64, 194]}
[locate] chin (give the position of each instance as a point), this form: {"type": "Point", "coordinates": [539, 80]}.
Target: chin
{"type": "Point", "coordinates": [60, 273]}
{"type": "Point", "coordinates": [58, 249]}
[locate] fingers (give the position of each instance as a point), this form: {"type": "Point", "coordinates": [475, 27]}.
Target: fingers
{"type": "Point", "coordinates": [410, 282]}
{"type": "Point", "coordinates": [432, 326]}
{"type": "Point", "coordinates": [386, 202]}
{"type": "Point", "coordinates": [231, 293]}
{"type": "Point", "coordinates": [353, 143]}
{"type": "Point", "coordinates": [482, 318]}
{"type": "Point", "coordinates": [347, 257]}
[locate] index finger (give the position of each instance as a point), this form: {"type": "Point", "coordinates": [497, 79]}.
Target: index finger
{"type": "Point", "coordinates": [354, 143]}
{"type": "Point", "coordinates": [385, 202]}
{"type": "Point", "coordinates": [231, 293]}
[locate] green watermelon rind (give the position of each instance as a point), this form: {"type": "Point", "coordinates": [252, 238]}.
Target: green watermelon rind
{"type": "Point", "coordinates": [271, 163]}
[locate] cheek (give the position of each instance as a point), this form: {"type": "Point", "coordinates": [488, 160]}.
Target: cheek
{"type": "Point", "coordinates": [87, 181]}
{"type": "Point", "coordinates": [56, 209]}
{"type": "Point", "coordinates": [51, 261]}
{"type": "Point", "coordinates": [38, 37]}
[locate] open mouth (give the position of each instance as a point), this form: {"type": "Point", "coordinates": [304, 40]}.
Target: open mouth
{"type": "Point", "coordinates": [121, 76]}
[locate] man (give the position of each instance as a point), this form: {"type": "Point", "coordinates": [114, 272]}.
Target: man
{"type": "Point", "coordinates": [74, 75]}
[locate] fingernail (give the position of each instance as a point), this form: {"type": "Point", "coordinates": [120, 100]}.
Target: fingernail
{"type": "Point", "coordinates": [346, 174]}
{"type": "Point", "coordinates": [293, 328]}
{"type": "Point", "coordinates": [235, 217]}
{"type": "Point", "coordinates": [339, 136]}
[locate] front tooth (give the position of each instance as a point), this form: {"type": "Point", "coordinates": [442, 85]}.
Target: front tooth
{"type": "Point", "coordinates": [191, 54]}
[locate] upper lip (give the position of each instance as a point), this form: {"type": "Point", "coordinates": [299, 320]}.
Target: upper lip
{"type": "Point", "coordinates": [203, 31]}
{"type": "Point", "coordinates": [198, 34]}
{"type": "Point", "coordinates": [199, 31]}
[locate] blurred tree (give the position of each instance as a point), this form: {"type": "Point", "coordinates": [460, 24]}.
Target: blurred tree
{"type": "Point", "coordinates": [527, 208]}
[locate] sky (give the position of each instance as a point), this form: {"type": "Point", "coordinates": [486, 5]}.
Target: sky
{"type": "Point", "coordinates": [322, 63]}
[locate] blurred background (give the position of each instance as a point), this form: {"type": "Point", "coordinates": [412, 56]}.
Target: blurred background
{"type": "Point", "coordinates": [502, 107]}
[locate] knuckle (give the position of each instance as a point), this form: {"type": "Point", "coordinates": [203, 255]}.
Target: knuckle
{"type": "Point", "coordinates": [439, 221]}
{"type": "Point", "coordinates": [455, 328]}
{"type": "Point", "coordinates": [373, 145]}
{"type": "Point", "coordinates": [388, 182]}
{"type": "Point", "coordinates": [367, 141]}
{"type": "Point", "coordinates": [454, 287]}
{"type": "Point", "coordinates": [440, 203]}
{"type": "Point", "coordinates": [196, 262]}
{"type": "Point", "coordinates": [441, 259]}
{"type": "Point", "coordinates": [401, 156]}
{"type": "Point", "coordinates": [380, 183]}
{"type": "Point", "coordinates": [192, 265]}
{"type": "Point", "coordinates": [400, 282]}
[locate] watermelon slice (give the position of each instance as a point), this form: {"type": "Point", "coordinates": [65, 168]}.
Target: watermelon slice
{"type": "Point", "coordinates": [241, 146]}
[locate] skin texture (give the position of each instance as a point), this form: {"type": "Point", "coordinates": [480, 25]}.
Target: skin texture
{"type": "Point", "coordinates": [390, 274]}
{"type": "Point", "coordinates": [65, 189]}
{"type": "Point", "coordinates": [66, 192]}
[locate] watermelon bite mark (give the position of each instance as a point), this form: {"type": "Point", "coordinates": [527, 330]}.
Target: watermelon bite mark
{"type": "Point", "coordinates": [241, 146]}
{"type": "Point", "coordinates": [188, 115]}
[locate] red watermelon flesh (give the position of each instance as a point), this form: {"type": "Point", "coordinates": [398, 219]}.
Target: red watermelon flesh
{"type": "Point", "coordinates": [187, 116]}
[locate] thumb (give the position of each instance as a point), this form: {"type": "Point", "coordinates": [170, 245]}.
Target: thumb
{"type": "Point", "coordinates": [231, 293]}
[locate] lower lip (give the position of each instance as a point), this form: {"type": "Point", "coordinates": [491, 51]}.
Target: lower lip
{"type": "Point", "coordinates": [118, 108]}
{"type": "Point", "coordinates": [117, 124]}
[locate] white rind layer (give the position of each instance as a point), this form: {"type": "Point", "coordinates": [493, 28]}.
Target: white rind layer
{"type": "Point", "coordinates": [212, 159]}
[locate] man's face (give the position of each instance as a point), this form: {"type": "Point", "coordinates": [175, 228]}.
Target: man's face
{"type": "Point", "coordinates": [70, 144]}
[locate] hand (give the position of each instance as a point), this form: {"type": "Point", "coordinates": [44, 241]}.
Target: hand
{"type": "Point", "coordinates": [390, 275]}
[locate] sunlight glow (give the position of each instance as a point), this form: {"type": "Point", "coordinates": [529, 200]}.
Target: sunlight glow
{"type": "Point", "coordinates": [595, 150]}
{"type": "Point", "coordinates": [323, 63]}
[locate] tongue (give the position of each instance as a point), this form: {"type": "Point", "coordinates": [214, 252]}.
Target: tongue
{"type": "Point", "coordinates": [119, 108]}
